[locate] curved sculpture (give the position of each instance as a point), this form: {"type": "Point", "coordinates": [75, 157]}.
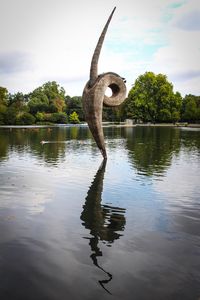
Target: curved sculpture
{"type": "Point", "coordinates": [94, 93]}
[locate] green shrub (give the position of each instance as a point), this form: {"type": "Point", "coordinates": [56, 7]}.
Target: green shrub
{"type": "Point", "coordinates": [60, 118]}
{"type": "Point", "coordinates": [10, 116]}
{"type": "Point", "coordinates": [40, 116]}
{"type": "Point", "coordinates": [73, 118]}
{"type": "Point", "coordinates": [25, 118]}
{"type": "Point", "coordinates": [2, 117]}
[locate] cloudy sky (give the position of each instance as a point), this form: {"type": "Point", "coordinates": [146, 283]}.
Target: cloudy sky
{"type": "Point", "coordinates": [45, 40]}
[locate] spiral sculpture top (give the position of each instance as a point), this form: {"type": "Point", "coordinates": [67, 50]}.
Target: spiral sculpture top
{"type": "Point", "coordinates": [94, 93]}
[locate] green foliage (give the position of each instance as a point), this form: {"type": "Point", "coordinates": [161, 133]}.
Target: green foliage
{"type": "Point", "coordinates": [52, 90]}
{"type": "Point", "coordinates": [175, 116]}
{"type": "Point", "coordinates": [3, 104]}
{"type": "Point", "coordinates": [25, 118]}
{"type": "Point", "coordinates": [73, 118]}
{"type": "Point", "coordinates": [17, 101]}
{"type": "Point", "coordinates": [47, 98]}
{"type": "Point", "coordinates": [40, 116]}
{"type": "Point", "coordinates": [3, 110]}
{"type": "Point", "coordinates": [3, 96]}
{"type": "Point", "coordinates": [2, 119]}
{"type": "Point", "coordinates": [165, 115]}
{"type": "Point", "coordinates": [59, 118]}
{"type": "Point", "coordinates": [112, 114]}
{"type": "Point", "coordinates": [74, 104]}
{"type": "Point", "coordinates": [59, 104]}
{"type": "Point", "coordinates": [191, 108]}
{"type": "Point", "coordinates": [16, 106]}
{"type": "Point", "coordinates": [10, 116]}
{"type": "Point", "coordinates": [39, 103]}
{"type": "Point", "coordinates": [152, 99]}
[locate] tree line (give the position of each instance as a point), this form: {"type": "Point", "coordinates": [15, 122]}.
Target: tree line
{"type": "Point", "coordinates": [47, 104]}
{"type": "Point", "coordinates": [151, 99]}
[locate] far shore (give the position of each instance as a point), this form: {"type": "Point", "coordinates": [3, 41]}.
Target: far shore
{"type": "Point", "coordinates": [106, 124]}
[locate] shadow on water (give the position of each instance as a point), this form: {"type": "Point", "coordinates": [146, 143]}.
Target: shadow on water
{"type": "Point", "coordinates": [103, 221]}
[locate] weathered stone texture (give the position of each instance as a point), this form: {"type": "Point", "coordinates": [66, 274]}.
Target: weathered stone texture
{"type": "Point", "coordinates": [94, 94]}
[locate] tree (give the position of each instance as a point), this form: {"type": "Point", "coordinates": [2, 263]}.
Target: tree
{"type": "Point", "coordinates": [191, 108]}
{"type": "Point", "coordinates": [3, 96]}
{"type": "Point", "coordinates": [2, 114]}
{"type": "Point", "coordinates": [3, 104]}
{"type": "Point", "coordinates": [16, 106]}
{"type": "Point", "coordinates": [73, 118]}
{"type": "Point", "coordinates": [52, 90]}
{"type": "Point", "coordinates": [38, 103]}
{"type": "Point", "coordinates": [152, 99]}
{"type": "Point", "coordinates": [60, 118]}
{"type": "Point", "coordinates": [47, 98]}
{"type": "Point", "coordinates": [74, 104]}
{"type": "Point", "coordinates": [40, 116]}
{"type": "Point", "coordinates": [17, 101]}
{"type": "Point", "coordinates": [25, 118]}
{"type": "Point", "coordinates": [10, 116]}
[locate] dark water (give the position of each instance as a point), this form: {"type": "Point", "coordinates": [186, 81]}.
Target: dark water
{"type": "Point", "coordinates": [72, 227]}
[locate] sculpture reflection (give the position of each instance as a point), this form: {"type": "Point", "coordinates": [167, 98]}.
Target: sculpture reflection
{"type": "Point", "coordinates": [103, 221]}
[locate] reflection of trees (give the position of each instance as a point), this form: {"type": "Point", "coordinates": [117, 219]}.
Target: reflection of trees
{"type": "Point", "coordinates": [23, 140]}
{"type": "Point", "coordinates": [190, 139]}
{"type": "Point", "coordinates": [103, 221]}
{"type": "Point", "coordinates": [151, 148]}
{"type": "Point", "coordinates": [29, 139]}
{"type": "Point", "coordinates": [4, 144]}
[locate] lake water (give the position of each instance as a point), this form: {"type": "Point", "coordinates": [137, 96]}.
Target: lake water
{"type": "Point", "coordinates": [72, 227]}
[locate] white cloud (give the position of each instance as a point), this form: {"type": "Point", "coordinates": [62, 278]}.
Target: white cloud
{"type": "Point", "coordinates": [190, 21]}
{"type": "Point", "coordinates": [180, 58]}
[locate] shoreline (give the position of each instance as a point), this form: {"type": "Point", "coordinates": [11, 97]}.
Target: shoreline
{"type": "Point", "coordinates": [106, 124]}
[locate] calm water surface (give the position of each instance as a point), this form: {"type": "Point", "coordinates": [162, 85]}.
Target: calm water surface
{"type": "Point", "coordinates": [74, 227]}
